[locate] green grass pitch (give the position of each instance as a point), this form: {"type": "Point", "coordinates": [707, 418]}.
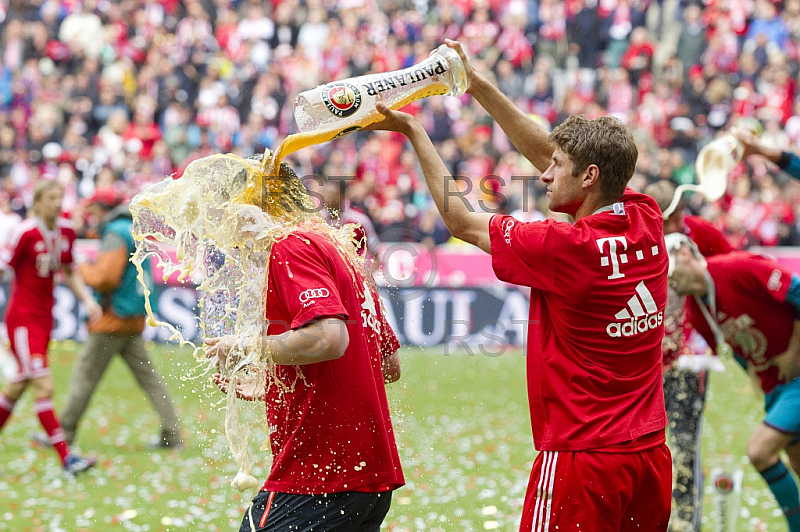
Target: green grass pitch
{"type": "Point", "coordinates": [461, 421]}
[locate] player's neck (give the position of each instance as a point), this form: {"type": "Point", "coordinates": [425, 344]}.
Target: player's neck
{"type": "Point", "coordinates": [49, 223]}
{"type": "Point", "coordinates": [591, 205]}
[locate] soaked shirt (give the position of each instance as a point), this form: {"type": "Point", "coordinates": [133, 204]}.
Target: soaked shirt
{"type": "Point", "coordinates": [329, 422]}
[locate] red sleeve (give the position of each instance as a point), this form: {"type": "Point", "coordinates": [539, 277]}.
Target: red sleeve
{"type": "Point", "coordinates": [710, 240]}
{"type": "Point", "coordinates": [522, 252]}
{"type": "Point", "coordinates": [770, 276]}
{"type": "Point", "coordinates": [12, 250]}
{"type": "Point", "coordinates": [304, 280]}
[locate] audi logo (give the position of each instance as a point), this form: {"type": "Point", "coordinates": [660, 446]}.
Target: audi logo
{"type": "Point", "coordinates": [314, 293]}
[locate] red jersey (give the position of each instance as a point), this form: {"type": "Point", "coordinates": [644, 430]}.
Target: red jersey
{"type": "Point", "coordinates": [329, 422]}
{"type": "Point", "coordinates": [750, 292]}
{"type": "Point", "coordinates": [35, 254]}
{"type": "Point", "coordinates": [599, 289]}
{"type": "Point", "coordinates": [710, 241]}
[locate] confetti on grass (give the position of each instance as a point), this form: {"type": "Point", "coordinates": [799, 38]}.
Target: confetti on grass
{"type": "Point", "coordinates": [462, 427]}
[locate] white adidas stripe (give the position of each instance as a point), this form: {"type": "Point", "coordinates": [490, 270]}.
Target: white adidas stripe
{"type": "Point", "coordinates": [539, 491]}
{"type": "Point", "coordinates": [544, 492]}
{"type": "Point", "coordinates": [647, 298]}
{"type": "Point", "coordinates": [549, 506]}
{"type": "Point", "coordinates": [636, 306]}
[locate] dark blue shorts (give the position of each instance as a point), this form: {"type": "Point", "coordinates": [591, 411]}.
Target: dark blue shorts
{"type": "Point", "coordinates": [348, 511]}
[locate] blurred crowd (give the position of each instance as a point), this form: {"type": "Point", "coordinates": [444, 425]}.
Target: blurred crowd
{"type": "Point", "coordinates": [100, 94]}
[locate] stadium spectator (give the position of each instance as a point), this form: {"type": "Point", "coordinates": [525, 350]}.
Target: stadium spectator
{"type": "Point", "coordinates": [594, 371]}
{"type": "Point", "coordinates": [747, 306]}
{"type": "Point", "coordinates": [119, 329]}
{"type": "Point", "coordinates": [336, 419]}
{"type": "Point", "coordinates": [38, 250]}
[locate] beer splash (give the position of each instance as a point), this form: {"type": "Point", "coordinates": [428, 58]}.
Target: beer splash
{"type": "Point", "coordinates": [222, 218]}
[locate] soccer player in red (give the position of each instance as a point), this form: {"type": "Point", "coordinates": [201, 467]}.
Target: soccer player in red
{"type": "Point", "coordinates": [335, 460]}
{"type": "Point", "coordinates": [598, 292]}
{"type": "Point", "coordinates": [38, 248]}
{"type": "Point", "coordinates": [685, 375]}
{"type": "Point", "coordinates": [748, 305]}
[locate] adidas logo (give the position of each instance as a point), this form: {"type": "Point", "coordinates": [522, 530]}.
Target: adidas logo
{"type": "Point", "coordinates": [635, 318]}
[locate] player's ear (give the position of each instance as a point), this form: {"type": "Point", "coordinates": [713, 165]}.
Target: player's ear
{"type": "Point", "coordinates": [591, 176]}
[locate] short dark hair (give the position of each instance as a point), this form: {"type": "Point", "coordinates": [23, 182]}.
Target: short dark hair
{"type": "Point", "coordinates": [604, 142]}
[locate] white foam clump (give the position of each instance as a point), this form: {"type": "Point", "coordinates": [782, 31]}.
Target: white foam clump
{"type": "Point", "coordinates": [222, 239]}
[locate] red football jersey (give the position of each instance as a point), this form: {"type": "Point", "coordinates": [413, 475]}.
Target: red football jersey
{"type": "Point", "coordinates": [751, 310]}
{"type": "Point", "coordinates": [710, 240]}
{"type": "Point", "coordinates": [599, 289]}
{"type": "Point", "coordinates": [35, 254]}
{"type": "Point", "coordinates": [329, 422]}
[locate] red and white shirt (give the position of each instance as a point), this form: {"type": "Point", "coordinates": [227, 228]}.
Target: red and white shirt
{"type": "Point", "coordinates": [35, 253]}
{"type": "Point", "coordinates": [599, 289]}
{"type": "Point", "coordinates": [751, 310]}
{"type": "Point", "coordinates": [329, 422]}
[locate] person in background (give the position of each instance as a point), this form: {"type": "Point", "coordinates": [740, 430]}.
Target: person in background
{"type": "Point", "coordinates": [748, 306]}
{"type": "Point", "coordinates": [37, 250]}
{"type": "Point", "coordinates": [112, 276]}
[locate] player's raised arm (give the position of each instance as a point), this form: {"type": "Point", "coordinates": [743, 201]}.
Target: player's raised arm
{"type": "Point", "coordinates": [786, 160]}
{"type": "Point", "coordinates": [460, 218]}
{"type": "Point", "coordinates": [528, 137]}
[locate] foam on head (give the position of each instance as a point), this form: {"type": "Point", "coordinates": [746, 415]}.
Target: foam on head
{"type": "Point", "coordinates": [222, 218]}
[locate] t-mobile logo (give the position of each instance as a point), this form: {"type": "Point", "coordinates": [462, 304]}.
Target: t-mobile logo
{"type": "Point", "coordinates": [615, 259]}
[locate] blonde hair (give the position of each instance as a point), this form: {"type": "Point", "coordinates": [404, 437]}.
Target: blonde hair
{"type": "Point", "coordinates": [42, 187]}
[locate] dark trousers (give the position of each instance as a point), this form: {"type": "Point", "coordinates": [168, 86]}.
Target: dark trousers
{"type": "Point", "coordinates": [348, 511]}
